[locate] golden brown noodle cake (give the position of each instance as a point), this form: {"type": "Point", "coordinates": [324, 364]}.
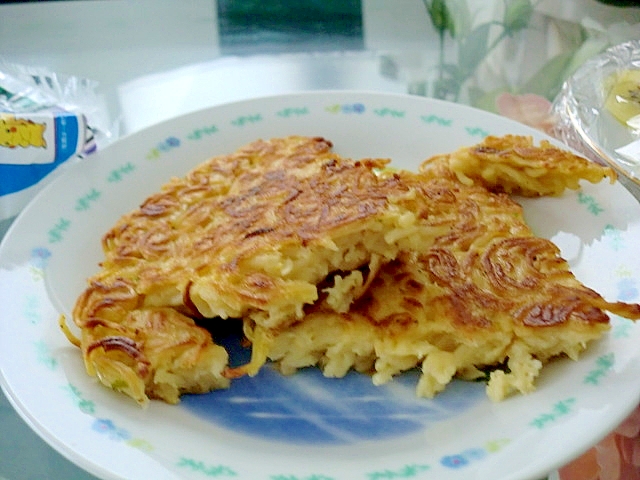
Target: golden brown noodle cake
{"type": "Point", "coordinates": [514, 165]}
{"type": "Point", "coordinates": [250, 235]}
{"type": "Point", "coordinates": [343, 264]}
{"type": "Point", "coordinates": [489, 295]}
{"type": "Point", "coordinates": [144, 352]}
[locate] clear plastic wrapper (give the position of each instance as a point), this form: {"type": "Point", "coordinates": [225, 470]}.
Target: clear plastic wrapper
{"type": "Point", "coordinates": [46, 120]}
{"type": "Point", "coordinates": [596, 109]}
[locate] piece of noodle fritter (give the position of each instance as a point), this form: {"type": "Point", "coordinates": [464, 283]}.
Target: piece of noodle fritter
{"type": "Point", "coordinates": [250, 235]}
{"type": "Point", "coordinates": [342, 264]}
{"type": "Point", "coordinates": [488, 295]}
{"type": "Point", "coordinates": [144, 352]}
{"type": "Point", "coordinates": [514, 165]}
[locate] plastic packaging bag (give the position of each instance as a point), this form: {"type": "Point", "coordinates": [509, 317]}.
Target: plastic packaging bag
{"type": "Point", "coordinates": [45, 120]}
{"type": "Point", "coordinates": [585, 120]}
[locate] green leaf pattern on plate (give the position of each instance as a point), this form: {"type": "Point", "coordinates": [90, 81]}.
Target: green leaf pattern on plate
{"type": "Point", "coordinates": [44, 356]}
{"type": "Point", "coordinates": [119, 173]}
{"type": "Point", "coordinates": [558, 410]}
{"type": "Point", "coordinates": [86, 406]}
{"type": "Point", "coordinates": [591, 203]}
{"type": "Point", "coordinates": [621, 328]}
{"type": "Point", "coordinates": [389, 112]}
{"type": "Point", "coordinates": [436, 119]}
{"type": "Point", "coordinates": [85, 202]}
{"type": "Point", "coordinates": [604, 363]}
{"type": "Point", "coordinates": [56, 233]}
{"type": "Point", "coordinates": [408, 471]}
{"type": "Point", "coordinates": [292, 112]}
{"type": "Point", "coordinates": [200, 133]}
{"type": "Point", "coordinates": [213, 471]}
{"type": "Point", "coordinates": [476, 132]}
{"type": "Point", "coordinates": [247, 120]}
{"type": "Point", "coordinates": [613, 236]}
{"type": "Point", "coordinates": [31, 310]}
{"type": "Point", "coordinates": [297, 477]}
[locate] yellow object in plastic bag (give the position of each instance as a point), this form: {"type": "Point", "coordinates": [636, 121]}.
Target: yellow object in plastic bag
{"type": "Point", "coordinates": [623, 101]}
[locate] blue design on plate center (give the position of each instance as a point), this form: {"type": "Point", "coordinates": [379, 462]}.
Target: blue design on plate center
{"type": "Point", "coordinates": [308, 408]}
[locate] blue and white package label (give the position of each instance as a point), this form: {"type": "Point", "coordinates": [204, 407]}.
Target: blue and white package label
{"type": "Point", "coordinates": [32, 146]}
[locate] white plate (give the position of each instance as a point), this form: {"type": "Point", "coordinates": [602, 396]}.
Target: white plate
{"type": "Point", "coordinates": [306, 427]}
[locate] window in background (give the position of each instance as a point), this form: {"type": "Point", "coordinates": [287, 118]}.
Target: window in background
{"type": "Point", "coordinates": [273, 26]}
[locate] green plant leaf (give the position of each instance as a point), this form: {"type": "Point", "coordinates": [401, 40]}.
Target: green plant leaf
{"type": "Point", "coordinates": [460, 18]}
{"type": "Point", "coordinates": [590, 48]}
{"type": "Point", "coordinates": [548, 81]}
{"type": "Point", "coordinates": [474, 48]}
{"type": "Point", "coordinates": [440, 17]}
{"type": "Point", "coordinates": [517, 14]}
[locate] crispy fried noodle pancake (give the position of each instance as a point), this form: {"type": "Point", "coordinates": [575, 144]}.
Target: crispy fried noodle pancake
{"type": "Point", "coordinates": [344, 264]}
